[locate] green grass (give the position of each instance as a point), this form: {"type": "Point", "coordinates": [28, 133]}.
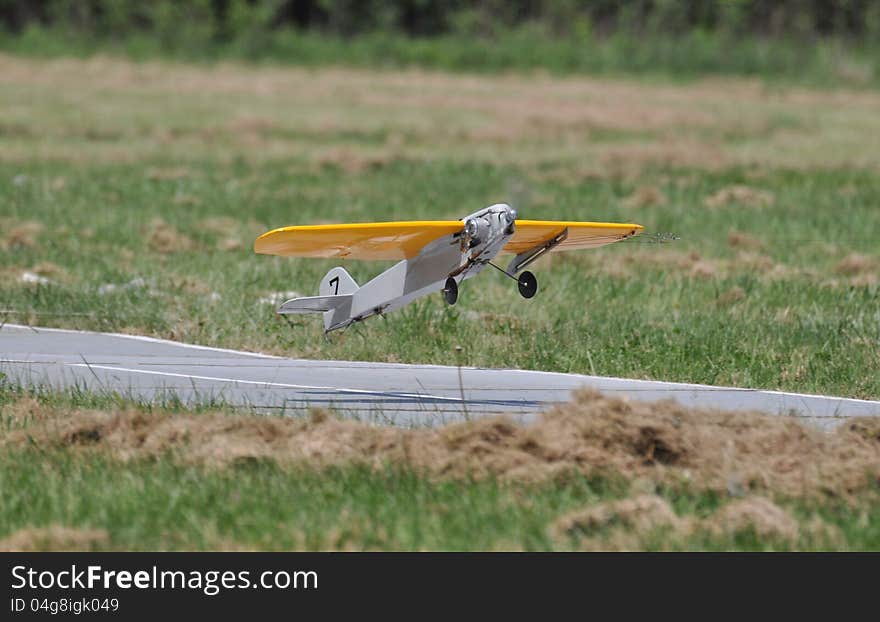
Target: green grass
{"type": "Point", "coordinates": [149, 505]}
{"type": "Point", "coordinates": [109, 495]}
{"type": "Point", "coordinates": [776, 289]}
{"type": "Point", "coordinates": [818, 61]}
{"type": "Point", "coordinates": [805, 327]}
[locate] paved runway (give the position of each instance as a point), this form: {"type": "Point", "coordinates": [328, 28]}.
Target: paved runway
{"type": "Point", "coordinates": [152, 369]}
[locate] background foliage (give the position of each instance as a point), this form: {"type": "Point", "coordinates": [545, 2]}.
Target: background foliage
{"type": "Point", "coordinates": [828, 42]}
{"type": "Point", "coordinates": [220, 20]}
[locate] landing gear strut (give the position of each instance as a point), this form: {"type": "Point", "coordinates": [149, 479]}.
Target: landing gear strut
{"type": "Point", "coordinates": [450, 291]}
{"type": "Point", "coordinates": [528, 284]}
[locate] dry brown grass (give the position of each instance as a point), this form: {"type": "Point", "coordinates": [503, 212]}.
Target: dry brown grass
{"type": "Point", "coordinates": [647, 520]}
{"type": "Point", "coordinates": [740, 195]}
{"type": "Point", "coordinates": [165, 238]}
{"type": "Point", "coordinates": [54, 538]}
{"type": "Point", "coordinates": [27, 411]}
{"type": "Point", "coordinates": [739, 239]}
{"type": "Point", "coordinates": [222, 225]}
{"type": "Point", "coordinates": [52, 272]}
{"type": "Point", "coordinates": [593, 435]}
{"type": "Point", "coordinates": [856, 264]}
{"type": "Point", "coordinates": [189, 285]}
{"type": "Point", "coordinates": [627, 161]}
{"type": "Point", "coordinates": [16, 235]}
{"type": "Point", "coordinates": [731, 296]}
{"type": "Point", "coordinates": [867, 428]}
{"type": "Point", "coordinates": [754, 262]}
{"type": "Point", "coordinates": [229, 231]}
{"type": "Point", "coordinates": [186, 200]}
{"type": "Point", "coordinates": [690, 264]}
{"type": "Point", "coordinates": [173, 173]}
{"type": "Point", "coordinates": [758, 515]}
{"type": "Point", "coordinates": [353, 160]}
{"type": "Point", "coordinates": [358, 119]}
{"type": "Point", "coordinates": [642, 513]}
{"type": "Point", "coordinates": [693, 264]}
{"type": "Point", "coordinates": [865, 280]}
{"type": "Point", "coordinates": [229, 244]}
{"type": "Point", "coordinates": [645, 196]}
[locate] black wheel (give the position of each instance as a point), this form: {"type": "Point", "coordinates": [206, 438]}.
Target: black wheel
{"type": "Point", "coordinates": [450, 291]}
{"type": "Point", "coordinates": [528, 284]}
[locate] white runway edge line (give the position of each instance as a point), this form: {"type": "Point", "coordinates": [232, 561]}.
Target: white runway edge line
{"type": "Point", "coordinates": [143, 338]}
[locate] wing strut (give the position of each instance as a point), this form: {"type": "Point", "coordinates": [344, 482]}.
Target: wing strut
{"type": "Point", "coordinates": [524, 259]}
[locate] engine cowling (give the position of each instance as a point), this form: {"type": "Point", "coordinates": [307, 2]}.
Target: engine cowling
{"type": "Point", "coordinates": [477, 230]}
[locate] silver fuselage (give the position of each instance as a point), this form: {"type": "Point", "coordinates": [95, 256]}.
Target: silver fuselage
{"type": "Point", "coordinates": [460, 255]}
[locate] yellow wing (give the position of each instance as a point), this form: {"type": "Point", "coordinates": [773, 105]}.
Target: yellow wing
{"type": "Point", "coordinates": [404, 240]}
{"type": "Point", "coordinates": [371, 240]}
{"type": "Point", "coordinates": [532, 233]}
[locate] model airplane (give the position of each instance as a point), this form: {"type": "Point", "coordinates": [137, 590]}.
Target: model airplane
{"type": "Point", "coordinates": [435, 256]}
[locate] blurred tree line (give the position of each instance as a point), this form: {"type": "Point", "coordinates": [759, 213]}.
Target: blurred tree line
{"type": "Point", "coordinates": [222, 21]}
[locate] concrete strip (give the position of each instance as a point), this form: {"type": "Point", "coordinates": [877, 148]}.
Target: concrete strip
{"type": "Point", "coordinates": [144, 368]}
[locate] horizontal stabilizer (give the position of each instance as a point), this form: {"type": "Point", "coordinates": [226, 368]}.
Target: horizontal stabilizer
{"type": "Point", "coordinates": [314, 304]}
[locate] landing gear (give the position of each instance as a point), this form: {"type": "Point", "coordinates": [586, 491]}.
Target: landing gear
{"type": "Point", "coordinates": [528, 284]}
{"type": "Point", "coordinates": [450, 291]}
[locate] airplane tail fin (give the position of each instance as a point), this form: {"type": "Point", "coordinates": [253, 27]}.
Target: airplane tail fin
{"type": "Point", "coordinates": [337, 282]}
{"type": "Point", "coordinates": [336, 292]}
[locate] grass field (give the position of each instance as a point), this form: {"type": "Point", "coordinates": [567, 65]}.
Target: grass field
{"type": "Point", "coordinates": [130, 194]}
{"type": "Point", "coordinates": [818, 61]}
{"type": "Point", "coordinates": [134, 192]}
{"type": "Point", "coordinates": [91, 473]}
